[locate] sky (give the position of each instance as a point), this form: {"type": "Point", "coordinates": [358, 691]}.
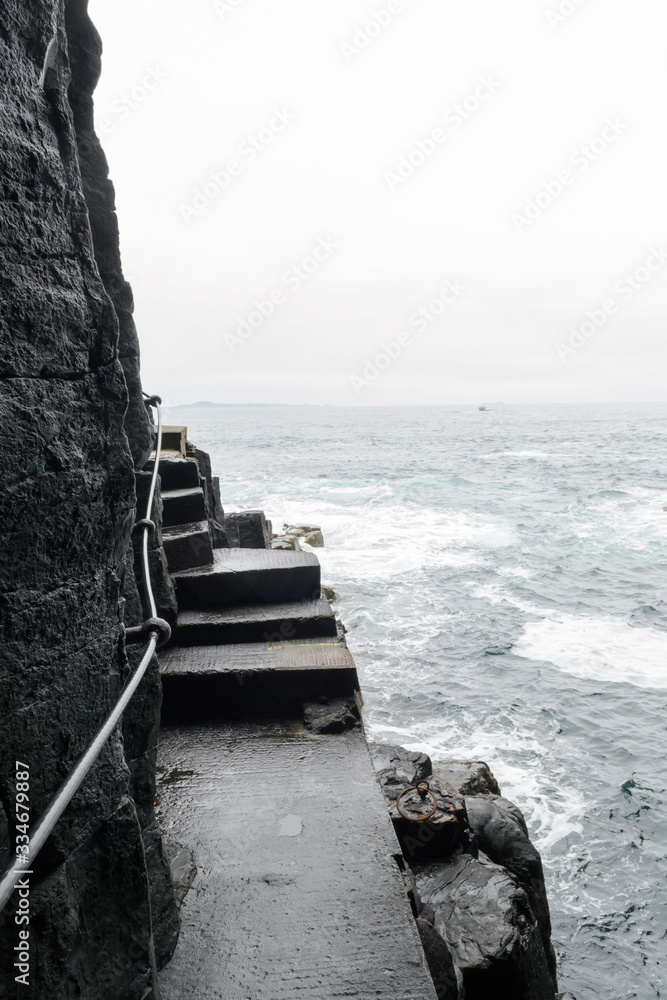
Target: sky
{"type": "Point", "coordinates": [399, 202]}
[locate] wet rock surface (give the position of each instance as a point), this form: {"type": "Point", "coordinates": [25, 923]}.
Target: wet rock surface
{"type": "Point", "coordinates": [331, 715]}
{"type": "Point", "coordinates": [495, 905]}
{"type": "Point", "coordinates": [485, 920]}
{"type": "Point", "coordinates": [501, 833]}
{"type": "Point", "coordinates": [469, 777]}
{"type": "Point", "coordinates": [446, 829]}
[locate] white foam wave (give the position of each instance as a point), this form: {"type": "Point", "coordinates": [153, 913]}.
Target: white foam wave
{"type": "Point", "coordinates": [601, 649]}
{"type": "Point", "coordinates": [376, 539]}
{"type": "Point", "coordinates": [525, 454]}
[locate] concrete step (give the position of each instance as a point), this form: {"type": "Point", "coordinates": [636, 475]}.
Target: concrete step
{"type": "Point", "coordinates": [249, 529]}
{"type": "Point", "coordinates": [174, 439]}
{"type": "Point", "coordinates": [256, 623]}
{"type": "Point", "coordinates": [176, 473]}
{"type": "Point", "coordinates": [187, 546]}
{"type": "Point", "coordinates": [183, 506]}
{"type": "Point", "coordinates": [250, 576]}
{"type": "Point", "coordinates": [297, 892]}
{"type": "Point", "coordinates": [253, 680]}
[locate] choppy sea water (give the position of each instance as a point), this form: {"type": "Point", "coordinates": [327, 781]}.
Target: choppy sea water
{"type": "Point", "coordinates": [502, 575]}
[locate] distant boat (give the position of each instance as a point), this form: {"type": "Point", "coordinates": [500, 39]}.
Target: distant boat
{"type": "Point", "coordinates": [484, 407]}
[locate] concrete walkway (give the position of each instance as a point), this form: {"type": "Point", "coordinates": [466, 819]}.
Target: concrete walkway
{"type": "Point", "coordinates": [297, 893]}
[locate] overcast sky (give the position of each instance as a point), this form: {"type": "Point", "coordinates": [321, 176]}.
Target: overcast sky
{"type": "Point", "coordinates": [406, 201]}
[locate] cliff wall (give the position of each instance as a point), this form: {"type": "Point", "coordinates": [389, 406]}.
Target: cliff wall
{"type": "Point", "coordinates": [74, 428]}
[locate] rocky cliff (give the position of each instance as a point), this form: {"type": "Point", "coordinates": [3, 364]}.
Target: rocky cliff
{"type": "Point", "coordinates": [75, 430]}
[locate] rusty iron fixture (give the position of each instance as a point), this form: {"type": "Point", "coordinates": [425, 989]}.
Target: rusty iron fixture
{"type": "Point", "coordinates": [418, 797]}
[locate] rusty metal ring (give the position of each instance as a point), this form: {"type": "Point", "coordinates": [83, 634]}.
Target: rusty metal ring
{"type": "Point", "coordinates": [416, 788]}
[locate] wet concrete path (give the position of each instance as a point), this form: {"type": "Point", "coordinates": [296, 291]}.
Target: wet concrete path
{"type": "Point", "coordinates": [297, 893]}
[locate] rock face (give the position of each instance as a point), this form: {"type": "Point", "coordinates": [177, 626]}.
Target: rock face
{"type": "Point", "coordinates": [101, 899]}
{"type": "Point", "coordinates": [85, 50]}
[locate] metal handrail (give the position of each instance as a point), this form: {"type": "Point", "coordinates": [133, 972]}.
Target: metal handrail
{"type": "Point", "coordinates": [21, 863]}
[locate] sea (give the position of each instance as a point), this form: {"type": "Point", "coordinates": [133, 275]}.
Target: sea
{"type": "Point", "coordinates": [502, 577]}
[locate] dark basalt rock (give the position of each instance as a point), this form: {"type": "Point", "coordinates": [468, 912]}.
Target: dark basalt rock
{"type": "Point", "coordinates": [400, 767]}
{"type": "Point", "coordinates": [85, 50]}
{"type": "Point", "coordinates": [501, 833]}
{"type": "Point", "coordinates": [439, 957]}
{"type": "Point", "coordinates": [214, 510]}
{"type": "Point", "coordinates": [334, 715]}
{"type": "Point", "coordinates": [485, 921]}
{"type": "Point", "coordinates": [67, 507]}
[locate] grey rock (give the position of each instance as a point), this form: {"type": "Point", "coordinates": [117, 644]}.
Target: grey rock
{"type": "Point", "coordinates": [183, 506]}
{"type": "Point", "coordinates": [469, 777]}
{"type": "Point", "coordinates": [311, 534]}
{"type": "Point", "coordinates": [329, 593]}
{"type": "Point", "coordinates": [175, 473]}
{"type": "Point", "coordinates": [249, 576]}
{"type": "Point", "coordinates": [181, 866]}
{"type": "Point", "coordinates": [485, 920]}
{"type": "Point", "coordinates": [398, 766]}
{"type": "Point", "coordinates": [286, 543]}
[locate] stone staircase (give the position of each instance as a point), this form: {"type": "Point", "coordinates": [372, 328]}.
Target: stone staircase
{"type": "Point", "coordinates": [297, 888]}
